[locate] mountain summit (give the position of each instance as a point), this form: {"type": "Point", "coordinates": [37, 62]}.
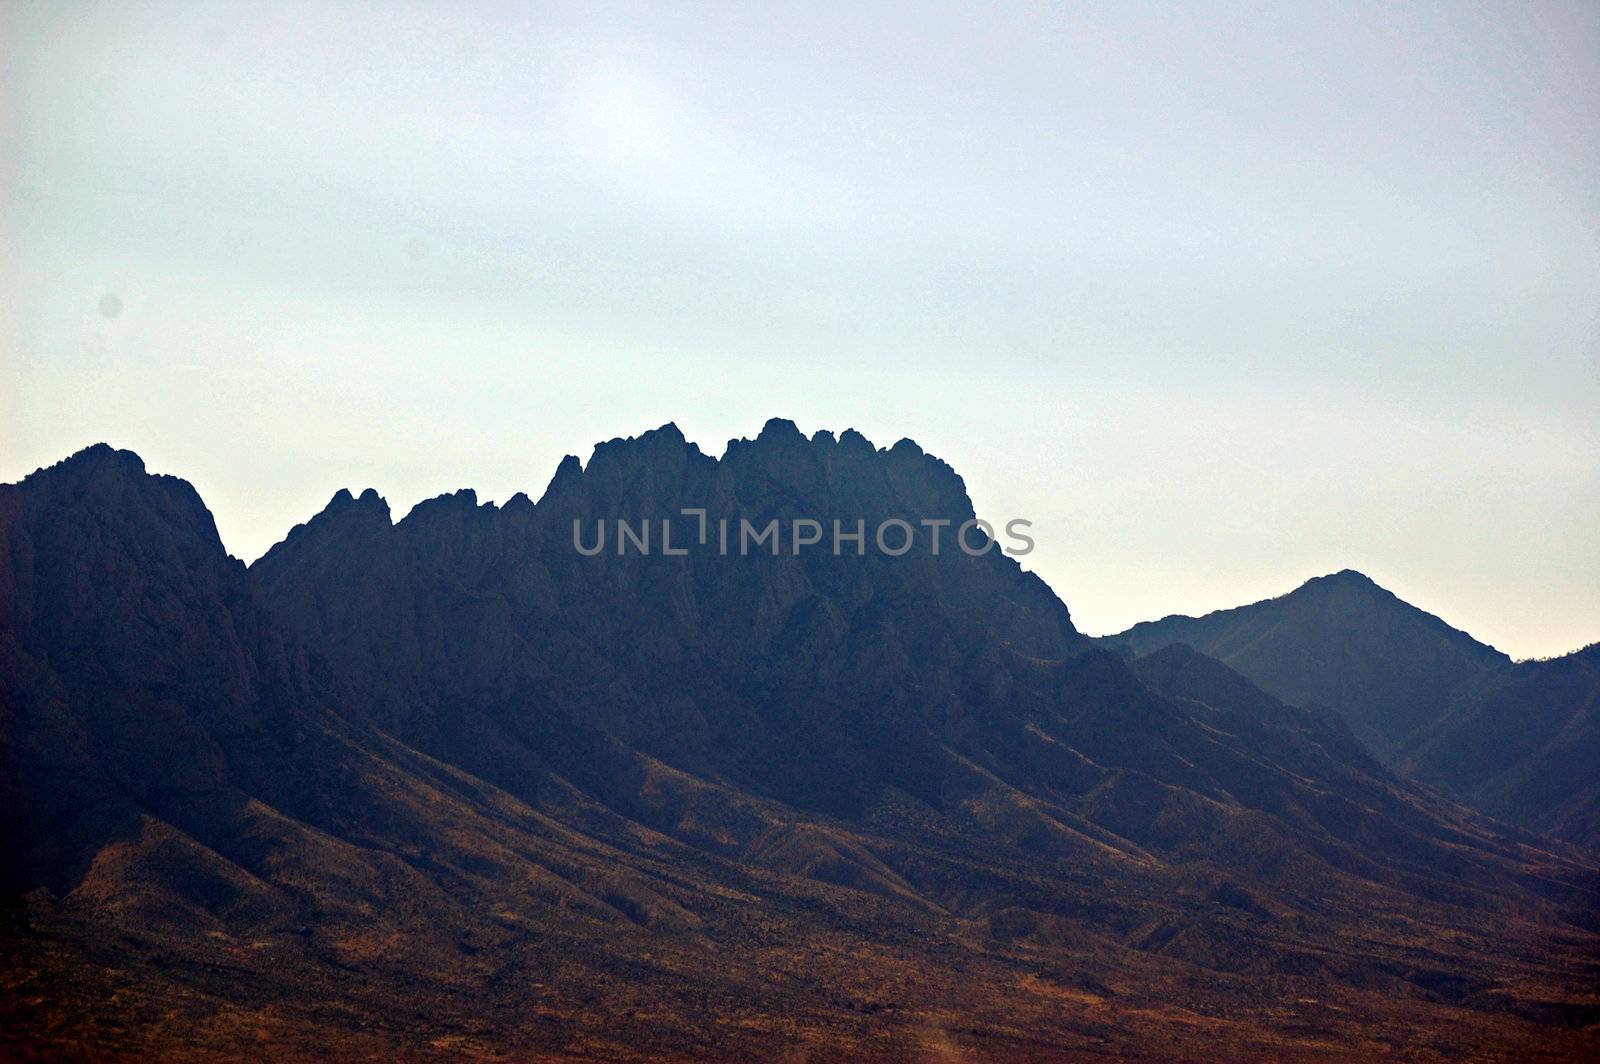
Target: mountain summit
{"type": "Point", "coordinates": [1518, 741]}
{"type": "Point", "coordinates": [1341, 641]}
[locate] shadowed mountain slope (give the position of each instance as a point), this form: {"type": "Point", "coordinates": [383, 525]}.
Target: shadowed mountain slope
{"type": "Point", "coordinates": [1523, 744]}
{"type": "Point", "coordinates": [446, 787]}
{"type": "Point", "coordinates": [1517, 741]}
{"type": "Point", "coordinates": [1341, 641]}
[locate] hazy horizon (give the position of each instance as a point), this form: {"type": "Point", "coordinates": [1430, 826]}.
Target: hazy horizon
{"type": "Point", "coordinates": [1220, 301]}
{"type": "Point", "coordinates": [399, 509]}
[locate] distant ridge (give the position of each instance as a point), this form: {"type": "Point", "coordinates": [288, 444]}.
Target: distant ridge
{"type": "Point", "coordinates": [1519, 741]}
{"type": "Point", "coordinates": [1341, 641]}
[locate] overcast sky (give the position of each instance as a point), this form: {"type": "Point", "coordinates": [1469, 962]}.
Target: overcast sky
{"type": "Point", "coordinates": [1220, 301]}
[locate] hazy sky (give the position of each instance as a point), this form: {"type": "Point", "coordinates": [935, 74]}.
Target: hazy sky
{"type": "Point", "coordinates": [1220, 301]}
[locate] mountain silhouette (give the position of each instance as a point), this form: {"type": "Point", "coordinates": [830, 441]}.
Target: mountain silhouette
{"type": "Point", "coordinates": [1515, 740]}
{"type": "Point", "coordinates": [446, 786]}
{"type": "Point", "coordinates": [1341, 641]}
{"type": "Point", "coordinates": [812, 678]}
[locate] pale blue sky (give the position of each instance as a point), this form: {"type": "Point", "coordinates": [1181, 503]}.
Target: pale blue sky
{"type": "Point", "coordinates": [1219, 300]}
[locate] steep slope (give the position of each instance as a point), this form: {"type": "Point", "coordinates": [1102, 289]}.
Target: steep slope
{"type": "Point", "coordinates": [1523, 744]}
{"type": "Point", "coordinates": [1339, 641]}
{"type": "Point", "coordinates": [517, 801]}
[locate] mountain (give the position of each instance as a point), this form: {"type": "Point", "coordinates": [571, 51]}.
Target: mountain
{"type": "Point", "coordinates": [1518, 741]}
{"type": "Point", "coordinates": [813, 678]}
{"type": "Point", "coordinates": [817, 680]}
{"type": "Point", "coordinates": [1340, 641]}
{"type": "Point", "coordinates": [448, 787]}
{"type": "Point", "coordinates": [1522, 744]}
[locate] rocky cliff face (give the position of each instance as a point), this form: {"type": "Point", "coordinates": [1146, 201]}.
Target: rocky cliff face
{"type": "Point", "coordinates": [446, 785]}
{"type": "Point", "coordinates": [808, 676]}
{"type": "Point", "coordinates": [138, 676]}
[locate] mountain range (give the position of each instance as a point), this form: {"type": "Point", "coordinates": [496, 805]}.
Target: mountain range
{"type": "Point", "coordinates": [1517, 740]}
{"type": "Point", "coordinates": [445, 787]}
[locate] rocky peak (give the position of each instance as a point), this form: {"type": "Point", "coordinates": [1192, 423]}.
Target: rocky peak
{"type": "Point", "coordinates": [568, 475]}
{"type": "Point", "coordinates": [368, 506]}
{"type": "Point", "coordinates": [97, 552]}
{"type": "Point", "coordinates": [1345, 580]}
{"type": "Point", "coordinates": [102, 457]}
{"type": "Point", "coordinates": [346, 516]}
{"type": "Point", "coordinates": [453, 503]}
{"type": "Point", "coordinates": [110, 487]}
{"type": "Point", "coordinates": [780, 432]}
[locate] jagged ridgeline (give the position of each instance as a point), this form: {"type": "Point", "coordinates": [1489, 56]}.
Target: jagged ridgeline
{"type": "Point", "coordinates": [445, 785]}
{"type": "Point", "coordinates": [782, 671]}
